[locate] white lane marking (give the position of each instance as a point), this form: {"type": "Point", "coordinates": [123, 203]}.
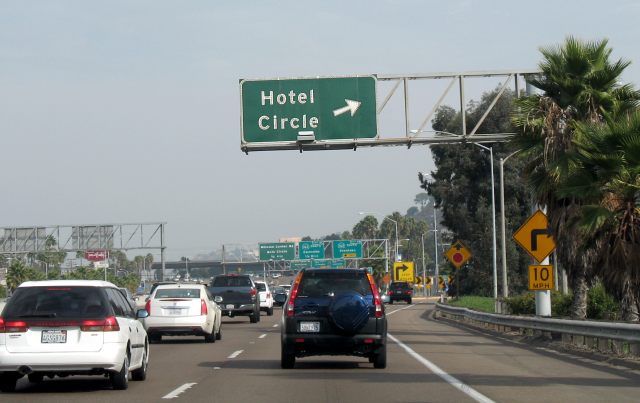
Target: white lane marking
{"type": "Point", "coordinates": [176, 392]}
{"type": "Point", "coordinates": [276, 325]}
{"type": "Point", "coordinates": [398, 310]}
{"type": "Point", "coordinates": [464, 388]}
{"type": "Point", "coordinates": [262, 336]}
{"type": "Point", "coordinates": [235, 354]}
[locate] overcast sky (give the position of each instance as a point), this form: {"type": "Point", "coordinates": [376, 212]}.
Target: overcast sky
{"type": "Point", "coordinates": [128, 111]}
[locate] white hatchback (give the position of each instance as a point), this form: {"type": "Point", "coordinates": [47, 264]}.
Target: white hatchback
{"type": "Point", "coordinates": [183, 309]}
{"type": "Point", "coordinates": [71, 327]}
{"type": "Point", "coordinates": [266, 298]}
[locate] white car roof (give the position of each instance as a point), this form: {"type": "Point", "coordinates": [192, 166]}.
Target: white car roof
{"type": "Point", "coordinates": [67, 283]}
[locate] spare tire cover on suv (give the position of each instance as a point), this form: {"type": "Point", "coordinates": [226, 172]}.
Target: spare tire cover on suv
{"type": "Point", "coordinates": [349, 312]}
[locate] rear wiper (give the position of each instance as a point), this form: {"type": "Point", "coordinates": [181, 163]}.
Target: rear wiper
{"type": "Point", "coordinates": [39, 315]}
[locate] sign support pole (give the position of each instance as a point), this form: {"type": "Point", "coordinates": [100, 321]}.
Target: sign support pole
{"type": "Point", "coordinates": [543, 298]}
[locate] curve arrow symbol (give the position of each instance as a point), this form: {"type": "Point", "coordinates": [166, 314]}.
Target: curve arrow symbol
{"type": "Point", "coordinates": [352, 106]}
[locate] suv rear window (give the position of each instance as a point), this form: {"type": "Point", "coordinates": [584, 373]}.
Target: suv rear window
{"type": "Point", "coordinates": [399, 286]}
{"type": "Point", "coordinates": [57, 302]}
{"type": "Point", "coordinates": [232, 281]}
{"type": "Point", "coordinates": [319, 283]}
{"type": "Point", "coordinates": [178, 293]}
{"type": "Point", "coordinates": [261, 287]}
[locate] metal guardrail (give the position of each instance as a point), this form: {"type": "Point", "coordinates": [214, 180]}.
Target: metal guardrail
{"type": "Point", "coordinates": [600, 330]}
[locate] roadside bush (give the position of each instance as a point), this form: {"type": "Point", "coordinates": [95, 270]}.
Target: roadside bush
{"type": "Point", "coordinates": [601, 305]}
{"type": "Point", "coordinates": [3, 291]}
{"type": "Point", "coordinates": [523, 304]}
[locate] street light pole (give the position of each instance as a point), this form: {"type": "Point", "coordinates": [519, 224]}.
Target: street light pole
{"type": "Point", "coordinates": [505, 288]}
{"type": "Point", "coordinates": [424, 269]}
{"type": "Point", "coordinates": [493, 211]}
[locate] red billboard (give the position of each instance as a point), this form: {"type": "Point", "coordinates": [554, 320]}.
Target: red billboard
{"type": "Point", "coordinates": [96, 255]}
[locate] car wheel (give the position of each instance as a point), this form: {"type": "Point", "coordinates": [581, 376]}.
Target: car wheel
{"type": "Point", "coordinates": [270, 311]}
{"type": "Point", "coordinates": [253, 318]}
{"type": "Point", "coordinates": [8, 381]}
{"type": "Point", "coordinates": [155, 338]}
{"type": "Point", "coordinates": [380, 358]}
{"type": "Point", "coordinates": [349, 312]}
{"type": "Point", "coordinates": [219, 334]}
{"type": "Point", "coordinates": [390, 302]}
{"type": "Point", "coordinates": [35, 377]}
{"type": "Point", "coordinates": [210, 338]}
{"type": "Point", "coordinates": [140, 374]}
{"type": "Point", "coordinates": [120, 379]}
{"type": "Point", "coordinates": [409, 301]}
{"type": "Point", "coordinates": [287, 359]}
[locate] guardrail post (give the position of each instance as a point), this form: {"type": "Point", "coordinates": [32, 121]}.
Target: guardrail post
{"type": "Point", "coordinates": [618, 346]}
{"type": "Point", "coordinates": [604, 345]}
{"type": "Point", "coordinates": [566, 338]}
{"type": "Point", "coordinates": [634, 349]}
{"type": "Point", "coordinates": [578, 340]}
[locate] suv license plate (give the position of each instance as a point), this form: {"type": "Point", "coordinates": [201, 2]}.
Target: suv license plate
{"type": "Point", "coordinates": [310, 327]}
{"type": "Point", "coordinates": [54, 336]}
{"type": "Point", "coordinates": [230, 306]}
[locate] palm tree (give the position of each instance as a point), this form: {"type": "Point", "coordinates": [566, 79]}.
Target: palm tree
{"type": "Point", "coordinates": [605, 177]}
{"type": "Point", "coordinates": [16, 275]}
{"type": "Point", "coordinates": [579, 83]}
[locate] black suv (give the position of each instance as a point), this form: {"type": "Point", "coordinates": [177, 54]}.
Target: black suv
{"type": "Point", "coordinates": [239, 296]}
{"type": "Point", "coordinates": [400, 292]}
{"type": "Point", "coordinates": [334, 312]}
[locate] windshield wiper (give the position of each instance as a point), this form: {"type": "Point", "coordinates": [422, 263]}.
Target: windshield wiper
{"type": "Point", "coordinates": [39, 315]}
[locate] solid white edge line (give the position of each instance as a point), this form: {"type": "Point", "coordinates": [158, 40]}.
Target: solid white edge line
{"type": "Point", "coordinates": [398, 310]}
{"type": "Point", "coordinates": [235, 354]}
{"type": "Point", "coordinates": [464, 388]}
{"type": "Point", "coordinates": [262, 336]}
{"type": "Point", "coordinates": [179, 390]}
{"type": "Point", "coordinates": [276, 325]}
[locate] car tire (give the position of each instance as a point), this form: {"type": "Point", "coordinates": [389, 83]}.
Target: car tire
{"type": "Point", "coordinates": [210, 338]}
{"type": "Point", "coordinates": [36, 377]}
{"type": "Point", "coordinates": [270, 311]}
{"type": "Point", "coordinates": [349, 312]}
{"type": "Point", "coordinates": [140, 374]}
{"type": "Point", "coordinates": [380, 358]}
{"type": "Point", "coordinates": [219, 334]}
{"type": "Point", "coordinates": [8, 381]}
{"type": "Point", "coordinates": [253, 318]}
{"type": "Point", "coordinates": [409, 301]}
{"type": "Point", "coordinates": [287, 359]}
{"type": "Point", "coordinates": [120, 379]}
{"type": "Point", "coordinates": [155, 338]}
{"type": "Point", "coordinates": [390, 302]}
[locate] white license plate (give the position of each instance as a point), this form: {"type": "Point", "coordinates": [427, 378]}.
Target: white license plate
{"type": "Point", "coordinates": [54, 336]}
{"type": "Point", "coordinates": [310, 327]}
{"type": "Point", "coordinates": [230, 306]}
{"type": "Point", "coordinates": [175, 311]}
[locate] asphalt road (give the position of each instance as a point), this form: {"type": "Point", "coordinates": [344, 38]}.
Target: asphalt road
{"type": "Point", "coordinates": [428, 361]}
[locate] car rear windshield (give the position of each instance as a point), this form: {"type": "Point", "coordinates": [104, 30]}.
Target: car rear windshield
{"type": "Point", "coordinates": [178, 293]}
{"type": "Point", "coordinates": [57, 302]}
{"type": "Point", "coordinates": [261, 287]}
{"type": "Point", "coordinates": [314, 284]}
{"type": "Point", "coordinates": [232, 281]}
{"type": "Point", "coordinates": [399, 286]}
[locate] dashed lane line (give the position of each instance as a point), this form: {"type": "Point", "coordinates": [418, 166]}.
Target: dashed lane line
{"type": "Point", "coordinates": [235, 354]}
{"type": "Point", "coordinates": [179, 390]}
{"type": "Point", "coordinates": [262, 336]}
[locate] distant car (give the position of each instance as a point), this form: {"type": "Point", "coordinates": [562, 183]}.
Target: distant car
{"type": "Point", "coordinates": [279, 296]}
{"type": "Point", "coordinates": [71, 327]}
{"type": "Point", "coordinates": [239, 296]}
{"type": "Point", "coordinates": [276, 275]}
{"type": "Point", "coordinates": [400, 292]}
{"type": "Point", "coordinates": [183, 309]}
{"type": "Point", "coordinates": [266, 299]}
{"type": "Point", "coordinates": [286, 288]}
{"type": "Point", "coordinates": [128, 296]}
{"type": "Point", "coordinates": [334, 312]}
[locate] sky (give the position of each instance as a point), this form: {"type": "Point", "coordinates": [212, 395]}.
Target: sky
{"type": "Point", "coordinates": [129, 111]}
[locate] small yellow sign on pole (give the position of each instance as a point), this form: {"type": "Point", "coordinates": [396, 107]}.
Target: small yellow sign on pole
{"type": "Point", "coordinates": [458, 254]}
{"type": "Point", "coordinates": [540, 277]}
{"type": "Point", "coordinates": [535, 236]}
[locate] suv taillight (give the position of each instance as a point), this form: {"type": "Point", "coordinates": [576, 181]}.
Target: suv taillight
{"type": "Point", "coordinates": [293, 294]}
{"type": "Point", "coordinates": [203, 307]}
{"type": "Point", "coordinates": [109, 324]}
{"type": "Point", "coordinates": [12, 327]}
{"type": "Point", "coordinates": [390, 292]}
{"type": "Point", "coordinates": [253, 292]}
{"type": "Point", "coordinates": [147, 307]}
{"type": "Point", "coordinates": [409, 292]}
{"type": "Point", "coordinates": [376, 297]}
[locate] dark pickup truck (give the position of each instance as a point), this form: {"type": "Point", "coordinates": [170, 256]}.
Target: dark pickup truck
{"type": "Point", "coordinates": [239, 296]}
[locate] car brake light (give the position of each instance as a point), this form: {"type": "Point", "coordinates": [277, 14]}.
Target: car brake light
{"type": "Point", "coordinates": [293, 294]}
{"type": "Point", "coordinates": [109, 324]}
{"type": "Point", "coordinates": [409, 292]}
{"type": "Point", "coordinates": [390, 293]}
{"type": "Point", "coordinates": [268, 295]}
{"type": "Point", "coordinates": [253, 292]}
{"type": "Point", "coordinates": [147, 307]}
{"type": "Point", "coordinates": [376, 297]}
{"type": "Point", "coordinates": [12, 327]}
{"type": "Point", "coordinates": [203, 307]}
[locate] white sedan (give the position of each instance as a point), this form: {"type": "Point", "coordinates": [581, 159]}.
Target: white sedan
{"type": "Point", "coordinates": [266, 298]}
{"type": "Point", "coordinates": [182, 309]}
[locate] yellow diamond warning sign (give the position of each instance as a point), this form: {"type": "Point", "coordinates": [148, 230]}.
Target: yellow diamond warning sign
{"type": "Point", "coordinates": [458, 254]}
{"type": "Point", "coordinates": [535, 236]}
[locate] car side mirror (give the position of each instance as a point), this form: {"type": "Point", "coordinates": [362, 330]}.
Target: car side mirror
{"type": "Point", "coordinates": [142, 313]}
{"type": "Point", "coordinates": [218, 299]}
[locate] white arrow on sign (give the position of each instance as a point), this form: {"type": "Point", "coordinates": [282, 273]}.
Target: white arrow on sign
{"type": "Point", "coordinates": [351, 106]}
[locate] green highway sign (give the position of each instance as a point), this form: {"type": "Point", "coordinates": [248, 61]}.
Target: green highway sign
{"type": "Point", "coordinates": [298, 265]}
{"type": "Point", "coordinates": [304, 109]}
{"type": "Point", "coordinates": [277, 251]}
{"type": "Point", "coordinates": [328, 263]}
{"type": "Point", "coordinates": [347, 249]}
{"type": "Point", "coordinates": [311, 250]}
